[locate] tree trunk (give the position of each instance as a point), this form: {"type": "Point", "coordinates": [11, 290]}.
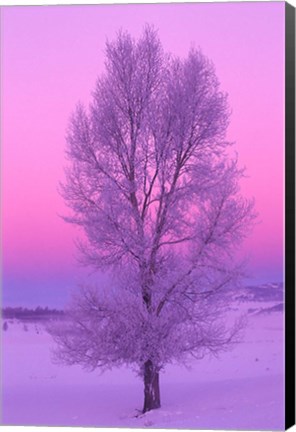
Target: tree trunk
{"type": "Point", "coordinates": [151, 387]}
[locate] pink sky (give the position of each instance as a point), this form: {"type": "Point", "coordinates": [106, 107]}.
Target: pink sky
{"type": "Point", "coordinates": [51, 57]}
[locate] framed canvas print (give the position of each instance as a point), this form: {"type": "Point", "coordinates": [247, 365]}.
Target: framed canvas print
{"type": "Point", "coordinates": [148, 216]}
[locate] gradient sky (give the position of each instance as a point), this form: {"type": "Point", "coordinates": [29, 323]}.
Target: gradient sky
{"type": "Point", "coordinates": [51, 56]}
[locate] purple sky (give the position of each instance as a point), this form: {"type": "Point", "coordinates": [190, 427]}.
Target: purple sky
{"type": "Point", "coordinates": [51, 57]}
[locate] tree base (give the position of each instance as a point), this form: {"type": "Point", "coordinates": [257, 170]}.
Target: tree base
{"type": "Point", "coordinates": [151, 387]}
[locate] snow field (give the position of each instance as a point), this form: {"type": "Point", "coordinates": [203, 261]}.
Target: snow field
{"type": "Point", "coordinates": [242, 389]}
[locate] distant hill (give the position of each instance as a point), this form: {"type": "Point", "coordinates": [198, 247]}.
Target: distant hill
{"type": "Point", "coordinates": [265, 292]}
{"type": "Point", "coordinates": [268, 292]}
{"type": "Point", "coordinates": [37, 314]}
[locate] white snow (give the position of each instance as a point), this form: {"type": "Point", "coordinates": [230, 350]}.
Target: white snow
{"type": "Point", "coordinates": [243, 389]}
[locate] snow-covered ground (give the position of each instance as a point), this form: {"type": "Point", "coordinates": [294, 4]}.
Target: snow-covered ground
{"type": "Point", "coordinates": [243, 389]}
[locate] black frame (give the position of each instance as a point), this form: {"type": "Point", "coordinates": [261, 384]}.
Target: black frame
{"type": "Point", "coordinates": [289, 215]}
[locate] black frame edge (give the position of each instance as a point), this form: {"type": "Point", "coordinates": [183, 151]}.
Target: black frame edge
{"type": "Point", "coordinates": [289, 215]}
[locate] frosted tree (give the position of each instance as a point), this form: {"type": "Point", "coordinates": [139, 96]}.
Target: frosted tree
{"type": "Point", "coordinates": [153, 185]}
